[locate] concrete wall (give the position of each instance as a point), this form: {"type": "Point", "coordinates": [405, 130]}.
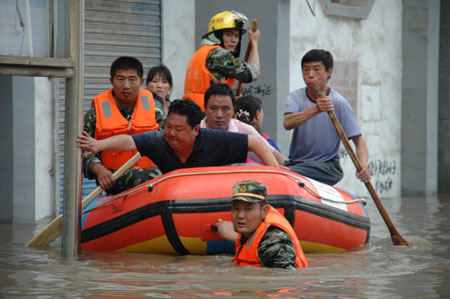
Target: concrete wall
{"type": "Point", "coordinates": [420, 97]}
{"type": "Point", "coordinates": [26, 147]}
{"type": "Point", "coordinates": [23, 149]}
{"type": "Point", "coordinates": [444, 101]}
{"type": "Point", "coordinates": [6, 149]}
{"type": "Point", "coordinates": [18, 151]}
{"type": "Point", "coordinates": [44, 167]}
{"type": "Point", "coordinates": [26, 176]}
{"type": "Point", "coordinates": [178, 40]}
{"type": "Point", "coordinates": [372, 49]}
{"type": "Point", "coordinates": [374, 45]}
{"type": "Point", "coordinates": [30, 39]}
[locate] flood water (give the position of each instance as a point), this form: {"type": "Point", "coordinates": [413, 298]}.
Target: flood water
{"type": "Point", "coordinates": [379, 270]}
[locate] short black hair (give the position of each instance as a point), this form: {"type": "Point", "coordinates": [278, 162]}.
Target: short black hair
{"type": "Point", "coordinates": [159, 70]}
{"type": "Point", "coordinates": [189, 108]}
{"type": "Point", "coordinates": [127, 63]}
{"type": "Point", "coordinates": [218, 89]}
{"type": "Point", "coordinates": [319, 55]}
{"type": "Point", "coordinates": [249, 104]}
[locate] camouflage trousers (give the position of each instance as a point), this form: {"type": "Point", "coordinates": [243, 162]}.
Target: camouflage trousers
{"type": "Point", "coordinates": [133, 177]}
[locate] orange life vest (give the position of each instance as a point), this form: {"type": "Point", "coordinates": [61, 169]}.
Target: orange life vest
{"type": "Point", "coordinates": [198, 77]}
{"type": "Point", "coordinates": [247, 254]}
{"type": "Point", "coordinates": [111, 122]}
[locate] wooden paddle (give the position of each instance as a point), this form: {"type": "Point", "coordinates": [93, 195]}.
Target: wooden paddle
{"type": "Point", "coordinates": [247, 56]}
{"type": "Point", "coordinates": [54, 228]}
{"type": "Point", "coordinates": [397, 239]}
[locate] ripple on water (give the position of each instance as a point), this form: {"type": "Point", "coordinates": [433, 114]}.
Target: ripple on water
{"type": "Point", "coordinates": [380, 270]}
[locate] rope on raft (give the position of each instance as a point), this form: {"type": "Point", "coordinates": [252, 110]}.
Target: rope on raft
{"type": "Point", "coordinates": [151, 185]}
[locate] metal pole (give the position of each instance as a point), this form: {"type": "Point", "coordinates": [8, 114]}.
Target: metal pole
{"type": "Point", "coordinates": [73, 124]}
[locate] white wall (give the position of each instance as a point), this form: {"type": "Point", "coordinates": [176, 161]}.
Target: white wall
{"type": "Point", "coordinates": [178, 40]}
{"type": "Point", "coordinates": [375, 43]}
{"type": "Point", "coordinates": [43, 147]}
{"type": "Point", "coordinates": [29, 39]}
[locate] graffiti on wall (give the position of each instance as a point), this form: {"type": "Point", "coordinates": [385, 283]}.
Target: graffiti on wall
{"type": "Point", "coordinates": [257, 90]}
{"type": "Point", "coordinates": [382, 172]}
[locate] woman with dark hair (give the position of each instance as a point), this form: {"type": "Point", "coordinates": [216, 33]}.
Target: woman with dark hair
{"type": "Point", "coordinates": [159, 82]}
{"type": "Point", "coordinates": [248, 109]}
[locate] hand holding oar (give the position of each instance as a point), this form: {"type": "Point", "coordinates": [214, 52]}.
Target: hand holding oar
{"type": "Point", "coordinates": [54, 228]}
{"type": "Point", "coordinates": [397, 239]}
{"type": "Point", "coordinates": [247, 55]}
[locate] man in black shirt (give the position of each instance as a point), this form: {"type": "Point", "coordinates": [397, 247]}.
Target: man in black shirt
{"type": "Point", "coordinates": [183, 144]}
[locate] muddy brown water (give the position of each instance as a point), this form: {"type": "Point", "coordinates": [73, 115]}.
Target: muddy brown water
{"type": "Point", "coordinates": [379, 270]}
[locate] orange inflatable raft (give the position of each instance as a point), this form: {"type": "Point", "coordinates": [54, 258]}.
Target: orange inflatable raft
{"type": "Point", "coordinates": [176, 213]}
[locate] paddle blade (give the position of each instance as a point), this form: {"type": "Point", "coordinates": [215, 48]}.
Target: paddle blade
{"type": "Point", "coordinates": [396, 237]}
{"type": "Point", "coordinates": [48, 234]}
{"type": "Point", "coordinates": [398, 240]}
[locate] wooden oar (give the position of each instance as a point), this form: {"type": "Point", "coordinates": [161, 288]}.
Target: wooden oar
{"type": "Point", "coordinates": [54, 228]}
{"type": "Point", "coordinates": [397, 239]}
{"type": "Point", "coordinates": [247, 55]}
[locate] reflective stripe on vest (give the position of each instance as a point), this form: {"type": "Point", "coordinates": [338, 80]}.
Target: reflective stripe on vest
{"type": "Point", "coordinates": [111, 122]}
{"type": "Point", "coordinates": [198, 77]}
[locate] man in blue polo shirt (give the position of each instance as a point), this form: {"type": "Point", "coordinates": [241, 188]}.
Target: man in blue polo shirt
{"type": "Point", "coordinates": [183, 144]}
{"type": "Point", "coordinates": [314, 150]}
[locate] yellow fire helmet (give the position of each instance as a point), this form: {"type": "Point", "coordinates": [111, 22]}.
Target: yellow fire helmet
{"type": "Point", "coordinates": [227, 19]}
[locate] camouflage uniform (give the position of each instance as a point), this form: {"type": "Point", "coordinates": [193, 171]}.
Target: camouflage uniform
{"type": "Point", "coordinates": [276, 249]}
{"type": "Point", "coordinates": [131, 177]}
{"type": "Point", "coordinates": [222, 64]}
{"type": "Point", "coordinates": [160, 116]}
